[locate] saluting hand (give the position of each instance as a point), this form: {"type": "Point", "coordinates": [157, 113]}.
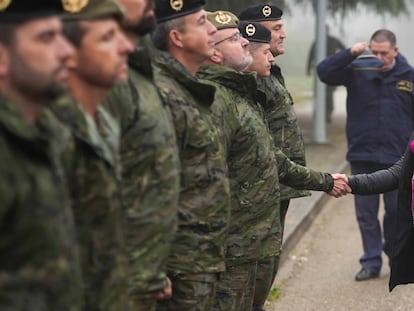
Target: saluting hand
{"type": "Point", "coordinates": [358, 48]}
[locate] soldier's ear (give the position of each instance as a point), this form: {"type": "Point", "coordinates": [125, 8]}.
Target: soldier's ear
{"type": "Point", "coordinates": [175, 37]}
{"type": "Point", "coordinates": [217, 57]}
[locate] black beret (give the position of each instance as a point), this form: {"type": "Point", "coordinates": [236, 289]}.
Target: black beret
{"type": "Point", "coordinates": [261, 12]}
{"type": "Point", "coordinates": [22, 10]}
{"type": "Point", "coordinates": [170, 9]}
{"type": "Point", "coordinates": [255, 32]}
{"type": "Point", "coordinates": [368, 65]}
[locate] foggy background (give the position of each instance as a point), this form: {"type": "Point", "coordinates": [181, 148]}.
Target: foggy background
{"type": "Point", "coordinates": [358, 26]}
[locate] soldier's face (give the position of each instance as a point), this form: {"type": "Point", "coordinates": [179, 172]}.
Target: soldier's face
{"type": "Point", "coordinates": [139, 15]}
{"type": "Point", "coordinates": [262, 60]}
{"type": "Point", "coordinates": [234, 48]}
{"type": "Point", "coordinates": [101, 58]}
{"type": "Point", "coordinates": [37, 60]}
{"type": "Point", "coordinates": [197, 38]}
{"type": "Point", "coordinates": [384, 51]}
{"type": "Point", "coordinates": [278, 35]}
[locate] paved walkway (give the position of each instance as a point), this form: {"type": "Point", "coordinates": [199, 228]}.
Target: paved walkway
{"type": "Point", "coordinates": [329, 157]}
{"type": "Point", "coordinates": [318, 269]}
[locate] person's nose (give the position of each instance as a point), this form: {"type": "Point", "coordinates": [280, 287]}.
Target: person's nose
{"type": "Point", "coordinates": [282, 34]}
{"type": "Point", "coordinates": [64, 48]}
{"type": "Point", "coordinates": [271, 58]}
{"type": "Point", "coordinates": [125, 46]}
{"type": "Point", "coordinates": [211, 28]}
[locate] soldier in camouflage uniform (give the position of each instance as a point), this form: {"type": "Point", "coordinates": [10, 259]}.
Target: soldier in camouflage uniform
{"type": "Point", "coordinates": [184, 38]}
{"type": "Point", "coordinates": [281, 117]}
{"type": "Point", "coordinates": [91, 162]}
{"type": "Point", "coordinates": [250, 157]}
{"type": "Point", "coordinates": [39, 264]}
{"type": "Point", "coordinates": [252, 161]}
{"type": "Point", "coordinates": [150, 163]}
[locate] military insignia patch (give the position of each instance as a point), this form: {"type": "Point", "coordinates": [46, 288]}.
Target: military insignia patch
{"type": "Point", "coordinates": [74, 6]}
{"type": "Point", "coordinates": [405, 85]}
{"type": "Point", "coordinates": [267, 11]}
{"type": "Point", "coordinates": [4, 4]}
{"type": "Point", "coordinates": [176, 5]}
{"type": "Point", "coordinates": [223, 18]}
{"type": "Point", "coordinates": [250, 30]}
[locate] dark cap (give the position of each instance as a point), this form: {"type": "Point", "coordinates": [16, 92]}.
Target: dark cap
{"type": "Point", "coordinates": [170, 9]}
{"type": "Point", "coordinates": [223, 19]}
{"type": "Point", "coordinates": [91, 9]}
{"type": "Point", "coordinates": [261, 12]}
{"type": "Point", "coordinates": [255, 32]}
{"type": "Point", "coordinates": [22, 10]}
{"type": "Point", "coordinates": [368, 65]}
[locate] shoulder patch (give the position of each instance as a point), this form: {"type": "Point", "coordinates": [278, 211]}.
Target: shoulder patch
{"type": "Point", "coordinates": [404, 85]}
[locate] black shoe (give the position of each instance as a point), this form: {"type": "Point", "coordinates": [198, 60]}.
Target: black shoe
{"type": "Point", "coordinates": [366, 274]}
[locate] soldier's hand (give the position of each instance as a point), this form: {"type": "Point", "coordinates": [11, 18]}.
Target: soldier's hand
{"type": "Point", "coordinates": [166, 293]}
{"type": "Point", "coordinates": [358, 48]}
{"type": "Point", "coordinates": [341, 186]}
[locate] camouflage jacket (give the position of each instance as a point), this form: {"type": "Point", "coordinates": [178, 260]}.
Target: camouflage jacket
{"type": "Point", "coordinates": [204, 203]}
{"type": "Point", "coordinates": [281, 117]}
{"type": "Point", "coordinates": [251, 160]}
{"type": "Point", "coordinates": [150, 176]}
{"type": "Point", "coordinates": [40, 268]}
{"type": "Point", "coordinates": [92, 170]}
{"type": "Point", "coordinates": [298, 177]}
{"type": "Point", "coordinates": [255, 167]}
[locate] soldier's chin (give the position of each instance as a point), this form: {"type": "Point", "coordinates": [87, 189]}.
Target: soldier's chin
{"type": "Point", "coordinates": [54, 91]}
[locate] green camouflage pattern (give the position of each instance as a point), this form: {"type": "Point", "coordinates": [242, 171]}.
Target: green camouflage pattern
{"type": "Point", "coordinates": [40, 268]}
{"type": "Point", "coordinates": [191, 292]}
{"type": "Point", "coordinates": [299, 177]}
{"type": "Point", "coordinates": [251, 160]}
{"type": "Point", "coordinates": [93, 173]}
{"type": "Point", "coordinates": [255, 165]}
{"type": "Point", "coordinates": [150, 177]}
{"type": "Point", "coordinates": [264, 281]}
{"type": "Point", "coordinates": [281, 116]}
{"type": "Point", "coordinates": [236, 287]}
{"type": "Point", "coordinates": [204, 203]}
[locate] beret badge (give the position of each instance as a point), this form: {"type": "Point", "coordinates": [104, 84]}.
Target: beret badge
{"type": "Point", "coordinates": [267, 11]}
{"type": "Point", "coordinates": [74, 6]}
{"type": "Point", "coordinates": [4, 4]}
{"type": "Point", "coordinates": [250, 30]}
{"type": "Point", "coordinates": [223, 18]}
{"type": "Point", "coordinates": [177, 5]}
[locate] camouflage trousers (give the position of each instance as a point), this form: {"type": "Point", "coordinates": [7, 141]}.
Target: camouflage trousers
{"type": "Point", "coordinates": [235, 289]}
{"type": "Point", "coordinates": [143, 304]}
{"type": "Point", "coordinates": [191, 292]}
{"type": "Point", "coordinates": [264, 280]}
{"type": "Point", "coordinates": [267, 268]}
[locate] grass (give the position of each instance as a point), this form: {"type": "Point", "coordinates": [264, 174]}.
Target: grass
{"type": "Point", "coordinates": [274, 294]}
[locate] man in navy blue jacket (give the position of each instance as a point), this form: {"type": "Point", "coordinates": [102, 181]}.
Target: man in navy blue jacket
{"type": "Point", "coordinates": [380, 118]}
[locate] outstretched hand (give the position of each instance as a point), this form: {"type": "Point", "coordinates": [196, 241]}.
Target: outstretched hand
{"type": "Point", "coordinates": [341, 186]}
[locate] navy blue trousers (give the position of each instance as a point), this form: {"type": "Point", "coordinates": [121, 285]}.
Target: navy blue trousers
{"type": "Point", "coordinates": [366, 208]}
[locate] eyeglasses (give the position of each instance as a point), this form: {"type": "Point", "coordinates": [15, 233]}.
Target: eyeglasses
{"type": "Point", "coordinates": [233, 38]}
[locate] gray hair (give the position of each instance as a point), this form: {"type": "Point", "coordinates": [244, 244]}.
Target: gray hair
{"type": "Point", "coordinates": [160, 36]}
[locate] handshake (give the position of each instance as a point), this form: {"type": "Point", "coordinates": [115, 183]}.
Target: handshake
{"type": "Point", "coordinates": [341, 186]}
